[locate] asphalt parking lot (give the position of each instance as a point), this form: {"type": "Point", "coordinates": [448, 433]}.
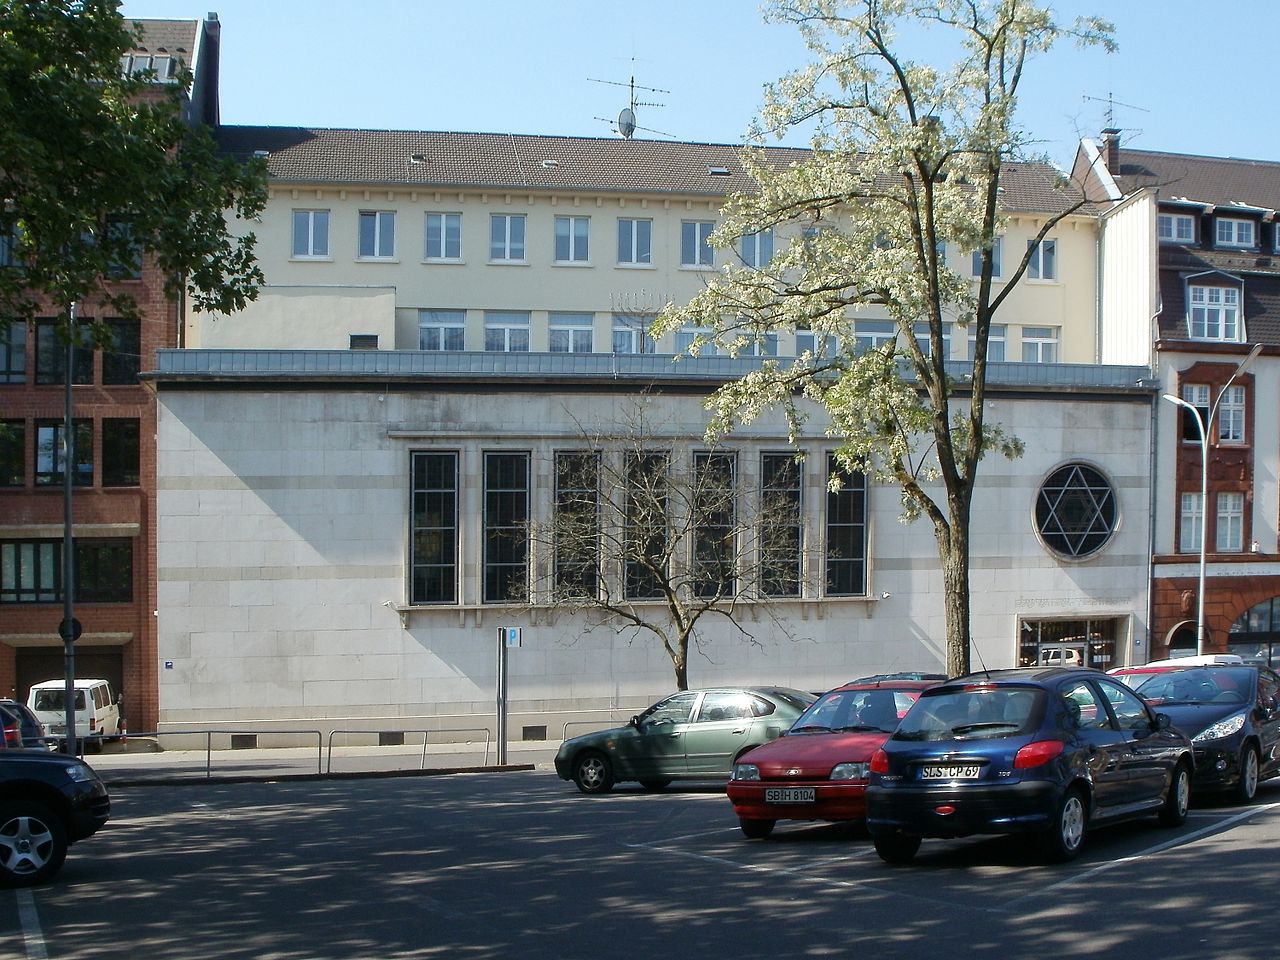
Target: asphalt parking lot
{"type": "Point", "coordinates": [519, 864]}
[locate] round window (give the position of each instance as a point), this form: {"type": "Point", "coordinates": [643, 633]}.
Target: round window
{"type": "Point", "coordinates": [1076, 511]}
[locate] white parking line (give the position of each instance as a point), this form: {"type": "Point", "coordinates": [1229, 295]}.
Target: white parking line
{"type": "Point", "coordinates": [32, 935]}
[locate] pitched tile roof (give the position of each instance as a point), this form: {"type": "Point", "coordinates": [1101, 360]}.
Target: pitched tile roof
{"type": "Point", "coordinates": [499, 161]}
{"type": "Point", "coordinates": [176, 38]}
{"type": "Point", "coordinates": [1222, 181]}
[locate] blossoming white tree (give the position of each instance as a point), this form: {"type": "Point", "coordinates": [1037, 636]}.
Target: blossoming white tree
{"type": "Point", "coordinates": [908, 160]}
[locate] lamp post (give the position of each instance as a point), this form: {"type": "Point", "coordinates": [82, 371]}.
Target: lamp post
{"type": "Point", "coordinates": [1203, 427]}
{"type": "Point", "coordinates": [68, 628]}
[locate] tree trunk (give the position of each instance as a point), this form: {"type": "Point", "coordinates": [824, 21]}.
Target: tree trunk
{"type": "Point", "coordinates": [955, 579]}
{"type": "Point", "coordinates": [680, 661]}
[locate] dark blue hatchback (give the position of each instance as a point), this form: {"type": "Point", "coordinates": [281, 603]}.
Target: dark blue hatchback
{"type": "Point", "coordinates": [1047, 751]}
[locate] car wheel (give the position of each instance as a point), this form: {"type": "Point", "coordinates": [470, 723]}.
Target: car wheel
{"type": "Point", "coordinates": [896, 848]}
{"type": "Point", "coordinates": [33, 843]}
{"type": "Point", "coordinates": [1247, 786]}
{"type": "Point", "coordinates": [756, 829]}
{"type": "Point", "coordinates": [1065, 836]}
{"type": "Point", "coordinates": [593, 773]}
{"type": "Point", "coordinates": [655, 784]}
{"type": "Point", "coordinates": [1174, 811]}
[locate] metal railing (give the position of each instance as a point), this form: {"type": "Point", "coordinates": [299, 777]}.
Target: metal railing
{"type": "Point", "coordinates": [209, 735]}
{"type": "Point", "coordinates": [426, 738]}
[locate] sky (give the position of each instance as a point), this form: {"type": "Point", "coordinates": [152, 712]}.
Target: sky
{"type": "Point", "coordinates": [1189, 76]}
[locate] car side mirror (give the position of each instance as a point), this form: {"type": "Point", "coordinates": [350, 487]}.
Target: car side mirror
{"type": "Point", "coordinates": [634, 721]}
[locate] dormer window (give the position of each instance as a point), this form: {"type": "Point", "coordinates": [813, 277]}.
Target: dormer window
{"type": "Point", "coordinates": [1176, 228]}
{"type": "Point", "coordinates": [163, 67]}
{"type": "Point", "coordinates": [1214, 313]}
{"type": "Point", "coordinates": [1236, 233]}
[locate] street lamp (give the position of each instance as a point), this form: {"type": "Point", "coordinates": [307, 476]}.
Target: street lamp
{"type": "Point", "coordinates": [1204, 478]}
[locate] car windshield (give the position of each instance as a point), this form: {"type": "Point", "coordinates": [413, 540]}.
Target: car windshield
{"type": "Point", "coordinates": [856, 710]}
{"type": "Point", "coordinates": [973, 713]}
{"type": "Point", "coordinates": [1229, 685]}
{"type": "Point", "coordinates": [52, 701]}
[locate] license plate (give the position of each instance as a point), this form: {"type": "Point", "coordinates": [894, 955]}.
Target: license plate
{"type": "Point", "coordinates": [790, 795]}
{"type": "Point", "coordinates": [951, 771]}
{"type": "Point", "coordinates": [58, 728]}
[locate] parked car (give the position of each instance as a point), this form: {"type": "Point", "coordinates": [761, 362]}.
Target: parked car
{"type": "Point", "coordinates": [1231, 714]}
{"type": "Point", "coordinates": [10, 729]}
{"type": "Point", "coordinates": [902, 675]}
{"type": "Point", "coordinates": [818, 769]}
{"type": "Point", "coordinates": [1047, 751]}
{"type": "Point", "coordinates": [47, 802]}
{"type": "Point", "coordinates": [691, 735]}
{"type": "Point", "coordinates": [97, 709]}
{"type": "Point", "coordinates": [34, 733]}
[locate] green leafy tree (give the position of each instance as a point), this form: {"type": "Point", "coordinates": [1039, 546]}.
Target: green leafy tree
{"type": "Point", "coordinates": [908, 159]}
{"type": "Point", "coordinates": [99, 170]}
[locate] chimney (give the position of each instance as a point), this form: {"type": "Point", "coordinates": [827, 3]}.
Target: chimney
{"type": "Point", "coordinates": [1111, 149]}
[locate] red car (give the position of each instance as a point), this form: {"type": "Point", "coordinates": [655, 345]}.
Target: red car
{"type": "Point", "coordinates": [818, 769]}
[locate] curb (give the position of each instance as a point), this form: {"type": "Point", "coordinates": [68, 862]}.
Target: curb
{"type": "Point", "coordinates": [196, 780]}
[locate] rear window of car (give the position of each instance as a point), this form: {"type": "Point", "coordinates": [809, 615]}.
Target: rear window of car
{"type": "Point", "coordinates": [795, 698]}
{"type": "Point", "coordinates": [51, 700]}
{"type": "Point", "coordinates": [973, 713]}
{"type": "Point", "coordinates": [1230, 685]}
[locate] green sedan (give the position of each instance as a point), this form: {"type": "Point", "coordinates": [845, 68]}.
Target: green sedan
{"type": "Point", "coordinates": [691, 735]}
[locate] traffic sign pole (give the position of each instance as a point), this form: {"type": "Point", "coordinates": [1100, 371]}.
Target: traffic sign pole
{"type": "Point", "coordinates": [502, 696]}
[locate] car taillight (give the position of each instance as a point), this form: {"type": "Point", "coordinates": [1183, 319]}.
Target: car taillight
{"type": "Point", "coordinates": [12, 737]}
{"type": "Point", "coordinates": [880, 762]}
{"type": "Point", "coordinates": [93, 724]}
{"type": "Point", "coordinates": [1037, 754]}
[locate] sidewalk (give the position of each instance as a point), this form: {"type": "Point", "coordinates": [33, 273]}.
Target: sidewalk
{"type": "Point", "coordinates": [141, 762]}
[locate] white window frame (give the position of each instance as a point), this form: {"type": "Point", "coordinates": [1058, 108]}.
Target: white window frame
{"type": "Point", "coordinates": [687, 334]}
{"type": "Point", "coordinates": [1043, 263]}
{"type": "Point", "coordinates": [1181, 228]}
{"type": "Point", "coordinates": [510, 328]}
{"type": "Point", "coordinates": [921, 333]}
{"type": "Point", "coordinates": [439, 232]}
{"type": "Point", "coordinates": [570, 332]}
{"type": "Point", "coordinates": [698, 232]}
{"type": "Point", "coordinates": [572, 240]}
{"type": "Point", "coordinates": [873, 334]}
{"type": "Point", "coordinates": [1196, 394]}
{"type": "Point", "coordinates": [312, 235]}
{"type": "Point", "coordinates": [1191, 525]}
{"type": "Point", "coordinates": [756, 249]}
{"type": "Point", "coordinates": [997, 260]}
{"type": "Point", "coordinates": [1235, 233]}
{"type": "Point", "coordinates": [384, 223]}
{"type": "Point", "coordinates": [503, 250]}
{"type": "Point", "coordinates": [1229, 523]}
{"type": "Point", "coordinates": [1213, 313]}
{"type": "Point", "coordinates": [1231, 415]}
{"type": "Point", "coordinates": [997, 340]}
{"type": "Point", "coordinates": [635, 245]}
{"type": "Point", "coordinates": [632, 331]}
{"type": "Point", "coordinates": [1040, 345]}
{"type": "Point", "coordinates": [820, 345]}
{"type": "Point", "coordinates": [442, 330]}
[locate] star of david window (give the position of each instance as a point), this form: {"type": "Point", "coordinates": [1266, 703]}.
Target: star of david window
{"type": "Point", "coordinates": [1076, 511]}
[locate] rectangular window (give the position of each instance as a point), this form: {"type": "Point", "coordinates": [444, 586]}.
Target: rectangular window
{"type": "Point", "coordinates": [311, 234]}
{"type": "Point", "coordinates": [818, 346]}
{"type": "Point", "coordinates": [1191, 524]}
{"type": "Point", "coordinates": [1231, 415]}
{"type": "Point", "coordinates": [433, 552]}
{"type": "Point", "coordinates": [13, 453]}
{"type": "Point", "coordinates": [761, 345]}
{"type": "Point", "coordinates": [572, 239]}
{"type": "Point", "coordinates": [506, 537]}
{"type": "Point", "coordinates": [921, 333]}
{"type": "Point", "coordinates": [444, 236]}
{"type": "Point", "coordinates": [13, 353]}
{"type": "Point", "coordinates": [997, 260]}
{"type": "Point", "coordinates": [506, 331]}
{"type": "Point", "coordinates": [571, 332]}
{"type": "Point", "coordinates": [441, 329]}
{"type": "Point", "coordinates": [635, 242]}
{"type": "Point", "coordinates": [51, 356]}
{"type": "Point", "coordinates": [377, 234]}
{"type": "Point", "coordinates": [1176, 228]}
{"type": "Point", "coordinates": [646, 535]}
{"type": "Point", "coordinates": [1215, 313]}
{"type": "Point", "coordinates": [8, 245]}
{"type": "Point", "coordinates": [1039, 345]}
{"type": "Point", "coordinates": [781, 527]}
{"type": "Point", "coordinates": [1230, 523]}
{"type": "Point", "coordinates": [846, 532]}
{"type": "Point", "coordinates": [714, 504]}
{"type": "Point", "coordinates": [123, 249]}
{"type": "Point", "coordinates": [1196, 394]}
{"type": "Point", "coordinates": [995, 343]}
{"type": "Point", "coordinates": [31, 571]}
{"type": "Point", "coordinates": [122, 359]}
{"type": "Point", "coordinates": [631, 333]}
{"type": "Point", "coordinates": [506, 237]}
{"type": "Point", "coordinates": [686, 336]}
{"type": "Point", "coordinates": [1043, 264]}
{"type": "Point", "coordinates": [1234, 233]}
{"type": "Point", "coordinates": [695, 245]}
{"type": "Point", "coordinates": [756, 249]}
{"type": "Point", "coordinates": [577, 525]}
{"type": "Point", "coordinates": [874, 334]}
{"type": "Point", "coordinates": [51, 455]}
{"type": "Point", "coordinates": [120, 452]}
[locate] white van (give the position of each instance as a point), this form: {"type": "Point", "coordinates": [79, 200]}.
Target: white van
{"type": "Point", "coordinates": [97, 709]}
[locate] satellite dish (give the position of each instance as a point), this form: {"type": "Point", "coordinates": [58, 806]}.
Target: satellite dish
{"type": "Point", "coordinates": [627, 122]}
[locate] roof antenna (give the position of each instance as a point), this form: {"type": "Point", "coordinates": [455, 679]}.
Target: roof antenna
{"type": "Point", "coordinates": [626, 125]}
{"type": "Point", "coordinates": [1112, 103]}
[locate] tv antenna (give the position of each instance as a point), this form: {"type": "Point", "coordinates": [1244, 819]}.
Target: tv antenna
{"type": "Point", "coordinates": [1112, 103]}
{"type": "Point", "coordinates": [626, 123]}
